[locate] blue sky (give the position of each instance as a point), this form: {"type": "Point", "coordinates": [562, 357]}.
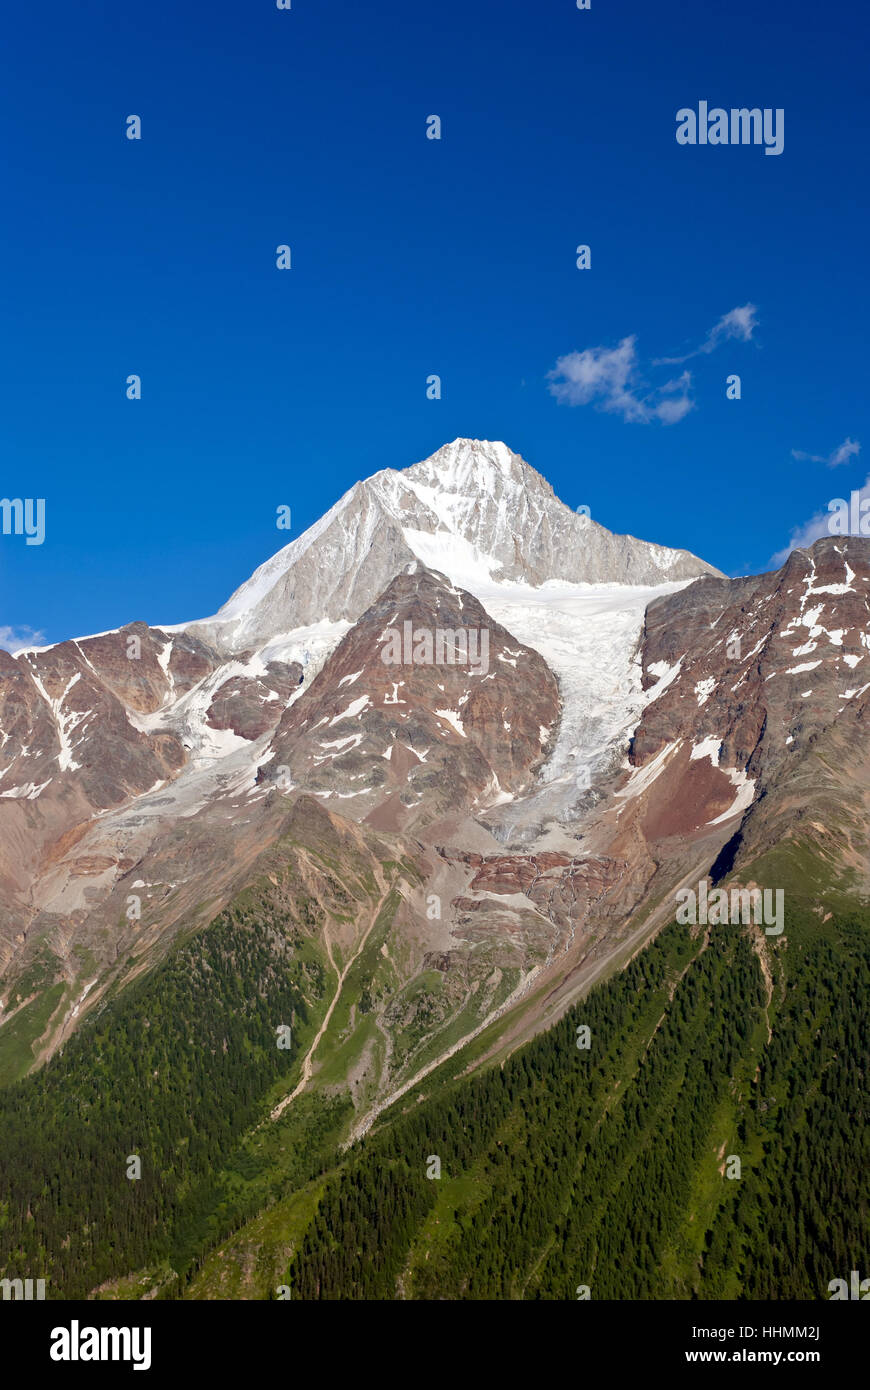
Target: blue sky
{"type": "Point", "coordinates": [410, 256]}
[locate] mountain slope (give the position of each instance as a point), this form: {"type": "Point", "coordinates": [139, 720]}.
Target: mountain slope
{"type": "Point", "coordinates": [680, 1156]}
{"type": "Point", "coordinates": [404, 739]}
{"type": "Point", "coordinates": [765, 694]}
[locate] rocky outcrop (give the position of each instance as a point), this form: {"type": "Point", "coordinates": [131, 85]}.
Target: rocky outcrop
{"type": "Point", "coordinates": [249, 705]}
{"type": "Point", "coordinates": [93, 726]}
{"type": "Point", "coordinates": [426, 705]}
{"type": "Point", "coordinates": [746, 676]}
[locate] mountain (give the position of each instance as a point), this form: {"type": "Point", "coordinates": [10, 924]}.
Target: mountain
{"type": "Point", "coordinates": [140, 758]}
{"type": "Point", "coordinates": [431, 782]}
{"type": "Point", "coordinates": [474, 511]}
{"type": "Point", "coordinates": [764, 699]}
{"type": "Point", "coordinates": [407, 741]}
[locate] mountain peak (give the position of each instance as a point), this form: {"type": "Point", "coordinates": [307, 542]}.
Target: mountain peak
{"type": "Point", "coordinates": [492, 451]}
{"type": "Point", "coordinates": [476, 465]}
{"type": "Point", "coordinates": [474, 511]}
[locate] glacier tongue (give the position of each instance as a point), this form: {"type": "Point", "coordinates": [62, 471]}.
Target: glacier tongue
{"type": "Point", "coordinates": [588, 635]}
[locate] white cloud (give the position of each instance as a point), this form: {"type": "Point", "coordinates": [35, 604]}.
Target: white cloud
{"type": "Point", "coordinates": [12, 639]}
{"type": "Point", "coordinates": [595, 373]}
{"type": "Point", "coordinates": [739, 323]}
{"type": "Point", "coordinates": [813, 530]}
{"type": "Point", "coordinates": [609, 378]}
{"type": "Point", "coordinates": [670, 411]}
{"type": "Point", "coordinates": [850, 448]}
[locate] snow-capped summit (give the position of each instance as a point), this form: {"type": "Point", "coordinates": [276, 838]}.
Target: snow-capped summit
{"type": "Point", "coordinates": [474, 510]}
{"type": "Point", "coordinates": [471, 464]}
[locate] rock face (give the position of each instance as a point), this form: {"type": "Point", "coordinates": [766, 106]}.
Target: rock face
{"type": "Point", "coordinates": [564, 889]}
{"type": "Point", "coordinates": [426, 705]}
{"type": "Point", "coordinates": [474, 510]}
{"type": "Point", "coordinates": [74, 745]}
{"type": "Point", "coordinates": [94, 725]}
{"type": "Point", "coordinates": [747, 676]}
{"type": "Point", "coordinates": [248, 706]}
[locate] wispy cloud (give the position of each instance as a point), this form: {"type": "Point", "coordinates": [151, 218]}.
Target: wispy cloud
{"type": "Point", "coordinates": [850, 448]}
{"type": "Point", "coordinates": [677, 402]}
{"type": "Point", "coordinates": [814, 529]}
{"type": "Point", "coordinates": [612, 379]}
{"type": "Point", "coordinates": [12, 639]}
{"type": "Point", "coordinates": [739, 323]}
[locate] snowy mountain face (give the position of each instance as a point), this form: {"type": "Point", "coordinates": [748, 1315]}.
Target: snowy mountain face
{"type": "Point", "coordinates": [475, 511]}
{"type": "Point", "coordinates": [156, 776]}
{"type": "Point", "coordinates": [88, 733]}
{"type": "Point", "coordinates": [484, 513]}
{"type": "Point", "coordinates": [478, 513]}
